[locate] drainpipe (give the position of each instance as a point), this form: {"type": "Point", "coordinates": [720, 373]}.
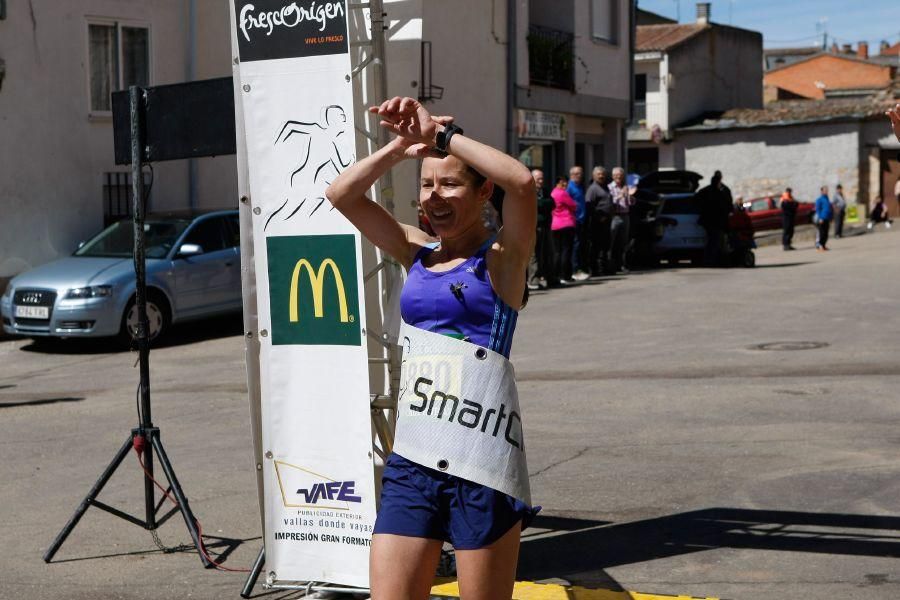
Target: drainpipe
{"type": "Point", "coordinates": [511, 70]}
{"type": "Point", "coordinates": [632, 33]}
{"type": "Point", "coordinates": [191, 75]}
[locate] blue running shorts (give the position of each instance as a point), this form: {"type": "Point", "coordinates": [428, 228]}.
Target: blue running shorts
{"type": "Point", "coordinates": [418, 501]}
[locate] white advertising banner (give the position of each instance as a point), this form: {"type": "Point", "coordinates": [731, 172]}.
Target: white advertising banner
{"type": "Point", "coordinates": [319, 489]}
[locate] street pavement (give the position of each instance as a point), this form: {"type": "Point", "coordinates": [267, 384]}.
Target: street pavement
{"type": "Point", "coordinates": [722, 433]}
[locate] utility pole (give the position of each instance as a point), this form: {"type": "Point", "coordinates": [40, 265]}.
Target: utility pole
{"type": "Point", "coordinates": [822, 25]}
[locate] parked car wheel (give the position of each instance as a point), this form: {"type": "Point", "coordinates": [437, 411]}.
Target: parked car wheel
{"type": "Point", "coordinates": [157, 317]}
{"type": "Point", "coordinates": [748, 260]}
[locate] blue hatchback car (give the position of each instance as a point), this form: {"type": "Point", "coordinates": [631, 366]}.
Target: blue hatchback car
{"type": "Point", "coordinates": [193, 271]}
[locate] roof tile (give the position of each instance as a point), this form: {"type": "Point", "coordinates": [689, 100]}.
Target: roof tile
{"type": "Point", "coordinates": [665, 37]}
{"type": "Point", "coordinates": [793, 112]}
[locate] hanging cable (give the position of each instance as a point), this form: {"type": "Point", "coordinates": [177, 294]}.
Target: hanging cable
{"type": "Point", "coordinates": [139, 444]}
{"type": "Point", "coordinates": [137, 402]}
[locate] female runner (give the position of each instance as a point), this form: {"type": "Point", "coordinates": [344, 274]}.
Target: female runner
{"type": "Point", "coordinates": [423, 507]}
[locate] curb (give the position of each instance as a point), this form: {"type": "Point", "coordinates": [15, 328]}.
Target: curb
{"type": "Point", "coordinates": [529, 590]}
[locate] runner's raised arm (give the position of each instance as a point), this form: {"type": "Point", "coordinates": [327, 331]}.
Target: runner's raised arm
{"type": "Point", "coordinates": [408, 119]}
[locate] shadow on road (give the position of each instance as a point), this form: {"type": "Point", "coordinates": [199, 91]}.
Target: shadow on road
{"type": "Point", "coordinates": [210, 543]}
{"type": "Point", "coordinates": [200, 331]}
{"type": "Point", "coordinates": [180, 334]}
{"type": "Point", "coordinates": [578, 548]}
{"type": "Point", "coordinates": [781, 265]}
{"type": "Point", "coordinates": [38, 402]}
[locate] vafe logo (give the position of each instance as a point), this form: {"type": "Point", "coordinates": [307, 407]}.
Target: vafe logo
{"type": "Point", "coordinates": [322, 307]}
{"type": "Point", "coordinates": [301, 487]}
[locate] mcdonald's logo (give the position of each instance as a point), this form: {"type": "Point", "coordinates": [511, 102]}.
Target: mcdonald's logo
{"type": "Point", "coordinates": [316, 281]}
{"type": "Point", "coordinates": [313, 290]}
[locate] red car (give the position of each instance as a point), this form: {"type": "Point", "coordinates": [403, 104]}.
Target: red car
{"type": "Point", "coordinates": [765, 213]}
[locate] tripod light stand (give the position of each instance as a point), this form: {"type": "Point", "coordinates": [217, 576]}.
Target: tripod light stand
{"type": "Point", "coordinates": [145, 438]}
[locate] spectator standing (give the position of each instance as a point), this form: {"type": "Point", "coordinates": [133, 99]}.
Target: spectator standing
{"type": "Point", "coordinates": [897, 190]}
{"type": "Point", "coordinates": [540, 269]}
{"type": "Point", "coordinates": [879, 214]}
{"type": "Point", "coordinates": [580, 243]}
{"type": "Point", "coordinates": [716, 205]}
{"type": "Point", "coordinates": [824, 215]}
{"type": "Point", "coordinates": [563, 229]}
{"type": "Point", "coordinates": [788, 217]}
{"type": "Point", "coordinates": [600, 208]}
{"type": "Point", "coordinates": [839, 204]}
{"type": "Point", "coordinates": [622, 201]}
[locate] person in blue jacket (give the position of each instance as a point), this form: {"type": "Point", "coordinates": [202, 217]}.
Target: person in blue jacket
{"type": "Point", "coordinates": [824, 214]}
{"type": "Point", "coordinates": [580, 244]}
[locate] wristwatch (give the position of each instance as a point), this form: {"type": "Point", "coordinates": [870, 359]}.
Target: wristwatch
{"type": "Point", "coordinates": [442, 140]}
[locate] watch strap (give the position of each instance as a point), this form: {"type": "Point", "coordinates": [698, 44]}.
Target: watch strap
{"type": "Point", "coordinates": [442, 140]}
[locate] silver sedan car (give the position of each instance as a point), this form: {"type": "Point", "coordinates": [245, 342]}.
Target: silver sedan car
{"type": "Point", "coordinates": [193, 271]}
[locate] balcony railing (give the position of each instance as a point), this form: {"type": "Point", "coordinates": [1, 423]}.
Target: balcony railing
{"type": "Point", "coordinates": [648, 114]}
{"type": "Point", "coordinates": [551, 58]}
{"type": "Point", "coordinates": [640, 111]}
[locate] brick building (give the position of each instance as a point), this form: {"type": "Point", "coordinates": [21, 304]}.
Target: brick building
{"type": "Point", "coordinates": [827, 74]}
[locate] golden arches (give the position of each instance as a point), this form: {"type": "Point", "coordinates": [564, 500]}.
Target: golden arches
{"type": "Point", "coordinates": [317, 282]}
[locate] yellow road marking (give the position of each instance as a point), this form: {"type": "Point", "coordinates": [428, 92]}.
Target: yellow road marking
{"type": "Point", "coordinates": [527, 590]}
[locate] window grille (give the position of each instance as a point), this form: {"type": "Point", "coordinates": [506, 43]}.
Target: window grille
{"type": "Point", "coordinates": [117, 196]}
{"type": "Point", "coordinates": [427, 90]}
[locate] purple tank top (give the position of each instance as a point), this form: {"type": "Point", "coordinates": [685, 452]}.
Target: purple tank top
{"type": "Point", "coordinates": [459, 303]}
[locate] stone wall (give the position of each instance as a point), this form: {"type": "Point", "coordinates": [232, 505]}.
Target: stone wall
{"type": "Point", "coordinates": [765, 160]}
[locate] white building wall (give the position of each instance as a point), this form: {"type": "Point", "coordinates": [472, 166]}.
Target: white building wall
{"type": "Point", "coordinates": [53, 152]}
{"type": "Point", "coordinates": [763, 161]}
{"type": "Point", "coordinates": [690, 79]}
{"type": "Point", "coordinates": [216, 176]}
{"type": "Point", "coordinates": [717, 70]}
{"type": "Point", "coordinates": [601, 68]}
{"type": "Point", "coordinates": [469, 60]}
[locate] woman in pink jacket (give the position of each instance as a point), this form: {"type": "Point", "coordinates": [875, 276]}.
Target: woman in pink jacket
{"type": "Point", "coordinates": [562, 227]}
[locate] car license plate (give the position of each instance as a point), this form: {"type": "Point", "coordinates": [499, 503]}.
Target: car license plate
{"type": "Point", "coordinates": [32, 312]}
{"type": "Point", "coordinates": [694, 240]}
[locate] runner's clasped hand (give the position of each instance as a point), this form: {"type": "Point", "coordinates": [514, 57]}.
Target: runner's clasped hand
{"type": "Point", "coordinates": [416, 129]}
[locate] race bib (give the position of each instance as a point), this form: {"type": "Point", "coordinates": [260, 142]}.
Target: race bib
{"type": "Point", "coordinates": [458, 412]}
